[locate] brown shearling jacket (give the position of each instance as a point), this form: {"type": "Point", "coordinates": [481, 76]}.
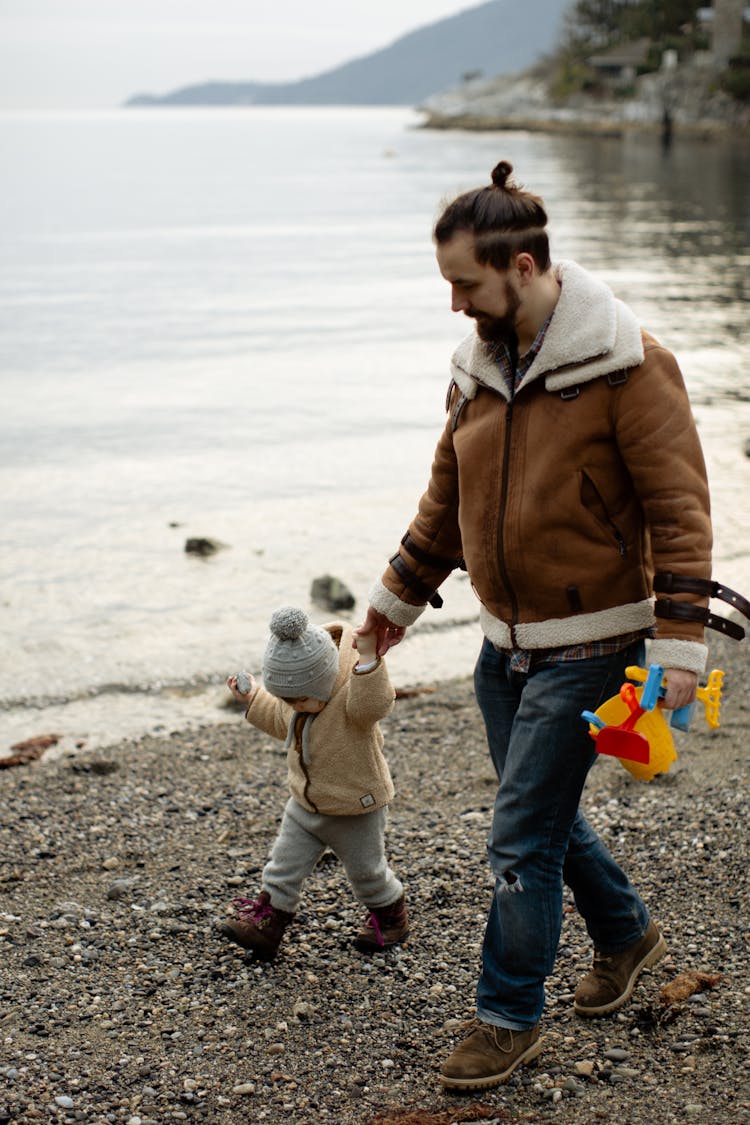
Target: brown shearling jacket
{"type": "Point", "coordinates": [565, 500]}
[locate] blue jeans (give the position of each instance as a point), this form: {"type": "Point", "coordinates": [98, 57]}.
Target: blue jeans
{"type": "Point", "coordinates": [542, 752]}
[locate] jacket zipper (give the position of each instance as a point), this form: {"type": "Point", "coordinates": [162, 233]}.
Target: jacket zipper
{"type": "Point", "coordinates": [616, 533]}
{"type": "Point", "coordinates": [501, 527]}
{"type": "Point", "coordinates": [618, 536]}
{"type": "Point", "coordinates": [299, 728]}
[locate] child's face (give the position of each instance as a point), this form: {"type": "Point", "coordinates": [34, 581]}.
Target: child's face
{"type": "Point", "coordinates": [306, 706]}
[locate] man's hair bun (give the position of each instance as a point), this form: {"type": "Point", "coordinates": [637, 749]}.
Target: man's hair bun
{"type": "Point", "coordinates": [500, 173]}
{"type": "Point", "coordinates": [288, 623]}
{"type": "Point", "coordinates": [503, 218]}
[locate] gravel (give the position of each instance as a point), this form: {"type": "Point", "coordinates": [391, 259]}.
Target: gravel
{"type": "Point", "coordinates": [119, 1002]}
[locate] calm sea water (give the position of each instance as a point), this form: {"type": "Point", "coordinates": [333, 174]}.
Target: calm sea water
{"type": "Point", "coordinates": [230, 324]}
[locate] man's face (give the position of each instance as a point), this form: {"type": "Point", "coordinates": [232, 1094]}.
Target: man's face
{"type": "Point", "coordinates": [480, 292]}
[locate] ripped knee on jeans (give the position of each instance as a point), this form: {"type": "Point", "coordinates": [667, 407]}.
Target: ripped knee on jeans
{"type": "Point", "coordinates": [508, 883]}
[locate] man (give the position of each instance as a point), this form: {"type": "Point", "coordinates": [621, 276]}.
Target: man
{"type": "Point", "coordinates": [569, 481]}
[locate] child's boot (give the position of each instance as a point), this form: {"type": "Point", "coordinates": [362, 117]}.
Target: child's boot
{"type": "Point", "coordinates": [383, 927]}
{"type": "Point", "coordinates": [258, 926]}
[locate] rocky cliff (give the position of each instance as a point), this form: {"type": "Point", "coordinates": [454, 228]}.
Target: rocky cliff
{"type": "Point", "coordinates": [683, 98]}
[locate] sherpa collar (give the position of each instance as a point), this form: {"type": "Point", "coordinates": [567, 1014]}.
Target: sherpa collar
{"type": "Point", "coordinates": [591, 333]}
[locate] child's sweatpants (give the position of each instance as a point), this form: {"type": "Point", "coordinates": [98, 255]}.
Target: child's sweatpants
{"type": "Point", "coordinates": [358, 841]}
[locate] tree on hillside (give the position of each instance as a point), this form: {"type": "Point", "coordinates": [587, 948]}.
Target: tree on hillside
{"type": "Point", "coordinates": [658, 19]}
{"type": "Point", "coordinates": [598, 23]}
{"type": "Point", "coordinates": [594, 22]}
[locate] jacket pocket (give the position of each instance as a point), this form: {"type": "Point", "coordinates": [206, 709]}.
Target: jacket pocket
{"type": "Point", "coordinates": [593, 502]}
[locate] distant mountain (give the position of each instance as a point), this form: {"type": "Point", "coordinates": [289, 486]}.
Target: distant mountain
{"type": "Point", "coordinates": [499, 37]}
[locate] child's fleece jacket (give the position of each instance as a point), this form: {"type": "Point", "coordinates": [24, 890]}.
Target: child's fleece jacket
{"type": "Point", "coordinates": [335, 758]}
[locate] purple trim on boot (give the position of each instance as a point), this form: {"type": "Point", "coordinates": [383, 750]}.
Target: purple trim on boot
{"type": "Point", "coordinates": [252, 911]}
{"type": "Point", "coordinates": [373, 922]}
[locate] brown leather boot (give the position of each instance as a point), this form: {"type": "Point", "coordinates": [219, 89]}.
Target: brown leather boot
{"type": "Point", "coordinates": [383, 927]}
{"type": "Point", "coordinates": [488, 1056]}
{"type": "Point", "coordinates": [612, 979]}
{"type": "Point", "coordinates": [258, 926]}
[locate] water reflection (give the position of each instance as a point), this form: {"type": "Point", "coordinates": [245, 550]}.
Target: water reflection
{"type": "Point", "coordinates": [692, 180]}
{"type": "Point", "coordinates": [670, 231]}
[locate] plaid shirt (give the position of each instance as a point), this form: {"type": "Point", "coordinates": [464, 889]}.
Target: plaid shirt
{"type": "Point", "coordinates": [504, 358]}
{"type": "Point", "coordinates": [521, 658]}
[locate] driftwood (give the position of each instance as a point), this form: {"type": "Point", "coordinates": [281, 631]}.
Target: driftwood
{"type": "Point", "coordinates": [467, 1113]}
{"type": "Point", "coordinates": [29, 750]}
{"type": "Point", "coordinates": [410, 693]}
{"type": "Point", "coordinates": [685, 985]}
{"type": "Point", "coordinates": [669, 1003]}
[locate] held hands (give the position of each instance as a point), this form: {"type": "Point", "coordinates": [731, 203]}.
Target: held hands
{"type": "Point", "coordinates": [240, 696]}
{"type": "Point", "coordinates": [383, 631]}
{"type": "Point", "coordinates": [366, 645]}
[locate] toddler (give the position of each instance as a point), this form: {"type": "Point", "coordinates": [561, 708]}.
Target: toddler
{"type": "Point", "coordinates": [324, 698]}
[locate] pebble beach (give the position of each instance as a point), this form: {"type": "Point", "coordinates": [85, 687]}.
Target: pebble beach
{"type": "Point", "coordinates": [120, 1002]}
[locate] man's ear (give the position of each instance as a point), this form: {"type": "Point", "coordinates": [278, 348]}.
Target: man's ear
{"type": "Point", "coordinates": [525, 266]}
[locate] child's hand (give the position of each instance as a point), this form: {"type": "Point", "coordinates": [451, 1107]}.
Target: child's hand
{"type": "Point", "coordinates": [366, 645]}
{"type": "Point", "coordinates": [386, 632]}
{"type": "Point", "coordinates": [240, 696]}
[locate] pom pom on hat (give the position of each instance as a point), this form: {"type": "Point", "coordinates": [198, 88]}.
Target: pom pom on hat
{"type": "Point", "coordinates": [300, 659]}
{"type": "Point", "coordinates": [288, 623]}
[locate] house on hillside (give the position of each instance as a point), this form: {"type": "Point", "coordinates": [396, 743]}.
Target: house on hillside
{"type": "Point", "coordinates": [619, 66]}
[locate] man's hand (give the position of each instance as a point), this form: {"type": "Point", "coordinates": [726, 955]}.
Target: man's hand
{"type": "Point", "coordinates": [681, 688]}
{"type": "Point", "coordinates": [386, 633]}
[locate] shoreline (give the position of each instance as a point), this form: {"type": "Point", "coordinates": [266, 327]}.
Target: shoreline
{"type": "Point", "coordinates": [100, 717]}
{"type": "Point", "coordinates": [582, 126]}
{"type": "Point", "coordinates": [122, 1004]}
{"type": "Point", "coordinates": [669, 103]}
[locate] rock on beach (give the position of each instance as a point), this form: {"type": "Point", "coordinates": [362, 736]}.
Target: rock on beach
{"type": "Point", "coordinates": [120, 1002]}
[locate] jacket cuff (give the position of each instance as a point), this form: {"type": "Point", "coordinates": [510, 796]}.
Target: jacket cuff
{"type": "Point", "coordinates": [688, 655]}
{"type": "Point", "coordinates": [400, 613]}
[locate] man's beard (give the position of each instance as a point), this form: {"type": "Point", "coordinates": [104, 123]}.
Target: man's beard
{"type": "Point", "coordinates": [500, 330]}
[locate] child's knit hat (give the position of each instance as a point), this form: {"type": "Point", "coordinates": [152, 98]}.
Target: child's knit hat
{"type": "Point", "coordinates": [300, 659]}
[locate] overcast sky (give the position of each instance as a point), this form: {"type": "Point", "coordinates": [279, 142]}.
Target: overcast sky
{"type": "Point", "coordinates": [96, 53]}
